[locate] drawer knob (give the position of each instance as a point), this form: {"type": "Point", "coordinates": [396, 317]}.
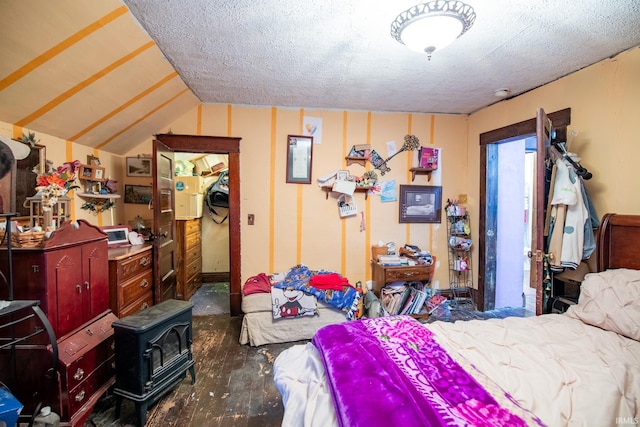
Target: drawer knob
{"type": "Point", "coordinates": [144, 261]}
{"type": "Point", "coordinates": [144, 306]}
{"type": "Point", "coordinates": [144, 283]}
{"type": "Point", "coordinates": [80, 396]}
{"type": "Point", "coordinates": [79, 374]}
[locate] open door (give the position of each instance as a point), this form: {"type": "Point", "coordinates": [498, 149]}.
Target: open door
{"type": "Point", "coordinates": [163, 223]}
{"type": "Point", "coordinates": [543, 140]}
{"type": "Point", "coordinates": [488, 252]}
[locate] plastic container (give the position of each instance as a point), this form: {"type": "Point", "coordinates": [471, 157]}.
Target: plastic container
{"type": "Point", "coordinates": [46, 418]}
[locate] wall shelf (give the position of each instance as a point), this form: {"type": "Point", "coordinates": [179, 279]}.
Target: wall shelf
{"type": "Point", "coordinates": [98, 196]}
{"type": "Point", "coordinates": [420, 171]}
{"type": "Point", "coordinates": [364, 190]}
{"type": "Point", "coordinates": [359, 160]}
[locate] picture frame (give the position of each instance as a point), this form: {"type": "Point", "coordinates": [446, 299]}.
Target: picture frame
{"type": "Point", "coordinates": [93, 160]}
{"type": "Point", "coordinates": [138, 194]}
{"type": "Point", "coordinates": [91, 173]}
{"type": "Point", "coordinates": [342, 175]}
{"type": "Point", "coordinates": [420, 204]}
{"type": "Point", "coordinates": [139, 166]}
{"type": "Point", "coordinates": [299, 159]}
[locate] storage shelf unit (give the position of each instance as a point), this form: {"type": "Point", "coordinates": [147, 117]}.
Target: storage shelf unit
{"type": "Point", "coordinates": [460, 269]}
{"type": "Point", "coordinates": [53, 218]}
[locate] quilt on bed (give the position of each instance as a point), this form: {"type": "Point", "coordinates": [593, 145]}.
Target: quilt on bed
{"type": "Point", "coordinates": [409, 379]}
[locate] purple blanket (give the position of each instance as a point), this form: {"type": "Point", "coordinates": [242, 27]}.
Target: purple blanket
{"type": "Point", "coordinates": [390, 371]}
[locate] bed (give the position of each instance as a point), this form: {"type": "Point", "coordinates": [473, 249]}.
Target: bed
{"type": "Point", "coordinates": [579, 368]}
{"type": "Point", "coordinates": [259, 327]}
{"type": "Point", "coordinates": [261, 323]}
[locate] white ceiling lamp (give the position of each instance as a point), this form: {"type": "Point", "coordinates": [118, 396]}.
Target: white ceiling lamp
{"type": "Point", "coordinates": [431, 26]}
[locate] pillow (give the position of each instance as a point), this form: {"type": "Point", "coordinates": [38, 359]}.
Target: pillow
{"type": "Point", "coordinates": [610, 300]}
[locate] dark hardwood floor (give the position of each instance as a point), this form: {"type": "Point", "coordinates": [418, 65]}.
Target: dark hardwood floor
{"type": "Point", "coordinates": [234, 383]}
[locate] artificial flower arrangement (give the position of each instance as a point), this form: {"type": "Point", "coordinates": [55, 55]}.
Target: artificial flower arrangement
{"type": "Point", "coordinates": [52, 185]}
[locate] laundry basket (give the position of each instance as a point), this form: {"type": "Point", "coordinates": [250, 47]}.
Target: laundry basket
{"type": "Point", "coordinates": [347, 206]}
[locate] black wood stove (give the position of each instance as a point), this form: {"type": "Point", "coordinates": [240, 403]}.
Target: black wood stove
{"type": "Point", "coordinates": [152, 354]}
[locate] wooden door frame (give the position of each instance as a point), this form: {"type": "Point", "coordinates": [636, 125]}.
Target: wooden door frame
{"type": "Point", "coordinates": [560, 119]}
{"type": "Point", "coordinates": [231, 147]}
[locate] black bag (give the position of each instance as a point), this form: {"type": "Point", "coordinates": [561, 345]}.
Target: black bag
{"type": "Point", "coordinates": [217, 195]}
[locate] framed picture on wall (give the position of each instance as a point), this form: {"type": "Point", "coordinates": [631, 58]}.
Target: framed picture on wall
{"type": "Point", "coordinates": [420, 203]}
{"type": "Point", "coordinates": [139, 166]}
{"type": "Point", "coordinates": [299, 159]}
{"type": "Point", "coordinates": [138, 194]}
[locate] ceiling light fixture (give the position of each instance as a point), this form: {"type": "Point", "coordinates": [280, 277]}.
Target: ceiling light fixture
{"type": "Point", "coordinates": [431, 26]}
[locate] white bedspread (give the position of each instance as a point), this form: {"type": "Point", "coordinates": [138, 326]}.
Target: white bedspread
{"type": "Point", "coordinates": [566, 372]}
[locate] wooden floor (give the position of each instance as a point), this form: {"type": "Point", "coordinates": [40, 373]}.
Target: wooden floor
{"type": "Point", "coordinates": [234, 384]}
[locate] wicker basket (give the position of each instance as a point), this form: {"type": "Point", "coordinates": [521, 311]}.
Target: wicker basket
{"type": "Point", "coordinates": [30, 239]}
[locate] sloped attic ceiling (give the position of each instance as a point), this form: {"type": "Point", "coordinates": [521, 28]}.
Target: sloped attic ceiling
{"type": "Point", "coordinates": [91, 72]}
{"type": "Point", "coordinates": [85, 71]}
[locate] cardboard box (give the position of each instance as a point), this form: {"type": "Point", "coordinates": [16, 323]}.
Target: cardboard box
{"type": "Point", "coordinates": [189, 206]}
{"type": "Point", "coordinates": [189, 184]}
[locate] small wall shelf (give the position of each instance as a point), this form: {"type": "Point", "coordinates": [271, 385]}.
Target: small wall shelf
{"type": "Point", "coordinates": [362, 161]}
{"type": "Point", "coordinates": [98, 196]}
{"type": "Point", "coordinates": [420, 171]}
{"type": "Point", "coordinates": [364, 190]}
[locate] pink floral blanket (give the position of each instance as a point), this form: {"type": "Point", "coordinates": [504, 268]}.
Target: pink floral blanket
{"type": "Point", "coordinates": [390, 371]}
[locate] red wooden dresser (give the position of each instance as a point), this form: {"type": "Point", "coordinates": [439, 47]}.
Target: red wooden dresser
{"type": "Point", "coordinates": [69, 276]}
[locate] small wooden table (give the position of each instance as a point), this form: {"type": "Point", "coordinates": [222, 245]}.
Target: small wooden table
{"type": "Point", "coordinates": [384, 274]}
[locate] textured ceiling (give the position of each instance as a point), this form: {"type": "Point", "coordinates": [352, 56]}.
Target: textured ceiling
{"type": "Point", "coordinates": [339, 53]}
{"type": "Point", "coordinates": [108, 74]}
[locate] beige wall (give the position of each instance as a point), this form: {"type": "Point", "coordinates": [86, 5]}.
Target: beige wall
{"type": "Point", "coordinates": [605, 112]}
{"type": "Point", "coordinates": [60, 151]}
{"type": "Point", "coordinates": [294, 223]}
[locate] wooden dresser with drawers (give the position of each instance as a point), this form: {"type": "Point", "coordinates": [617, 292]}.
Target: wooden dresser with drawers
{"type": "Point", "coordinates": [130, 279]}
{"type": "Point", "coordinates": [189, 257]}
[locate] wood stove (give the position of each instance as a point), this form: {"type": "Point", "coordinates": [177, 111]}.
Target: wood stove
{"type": "Point", "coordinates": [152, 354]}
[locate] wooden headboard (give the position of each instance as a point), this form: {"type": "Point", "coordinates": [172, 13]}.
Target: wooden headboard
{"type": "Point", "coordinates": [619, 242]}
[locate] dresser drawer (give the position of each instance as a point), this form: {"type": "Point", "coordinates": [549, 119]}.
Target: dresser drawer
{"type": "Point", "coordinates": [80, 369]}
{"type": "Point", "coordinates": [195, 267]}
{"type": "Point", "coordinates": [192, 254]}
{"type": "Point", "coordinates": [407, 273]}
{"type": "Point", "coordinates": [192, 227]}
{"type": "Point", "coordinates": [135, 287]}
{"type": "Point", "coordinates": [193, 283]}
{"type": "Point", "coordinates": [80, 394]}
{"type": "Point", "coordinates": [192, 241]}
{"type": "Point", "coordinates": [140, 304]}
{"type": "Point", "coordinates": [129, 267]}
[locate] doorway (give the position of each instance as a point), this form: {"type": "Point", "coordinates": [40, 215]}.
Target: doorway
{"type": "Point", "coordinates": [488, 203]}
{"type": "Point", "coordinates": [229, 146]}
{"type": "Point", "coordinates": [194, 174]}
{"type": "Point", "coordinates": [510, 184]}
